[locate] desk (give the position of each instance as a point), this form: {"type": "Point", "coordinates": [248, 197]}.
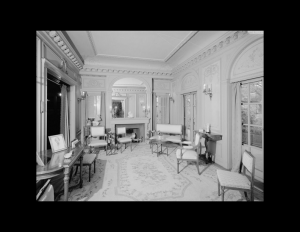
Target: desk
{"type": "Point", "coordinates": [210, 137]}
{"type": "Point", "coordinates": [58, 164]}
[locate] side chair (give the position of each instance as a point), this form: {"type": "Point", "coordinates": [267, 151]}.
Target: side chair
{"type": "Point", "coordinates": [188, 151]}
{"type": "Point", "coordinates": [94, 138]}
{"type": "Point", "coordinates": [121, 131]}
{"type": "Point", "coordinates": [238, 181]}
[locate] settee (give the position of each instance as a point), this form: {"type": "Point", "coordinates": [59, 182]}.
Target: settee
{"type": "Point", "coordinates": [171, 132]}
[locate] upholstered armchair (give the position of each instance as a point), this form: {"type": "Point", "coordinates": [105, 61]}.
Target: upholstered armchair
{"type": "Point", "coordinates": [188, 151]}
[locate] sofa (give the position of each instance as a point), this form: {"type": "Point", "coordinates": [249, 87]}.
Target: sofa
{"type": "Point", "coordinates": [171, 132]}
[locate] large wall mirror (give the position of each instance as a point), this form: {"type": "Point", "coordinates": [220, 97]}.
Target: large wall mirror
{"type": "Point", "coordinates": [93, 109]}
{"type": "Point", "coordinates": [129, 99]}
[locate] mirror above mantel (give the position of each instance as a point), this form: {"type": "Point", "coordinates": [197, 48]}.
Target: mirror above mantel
{"type": "Point", "coordinates": [129, 99]}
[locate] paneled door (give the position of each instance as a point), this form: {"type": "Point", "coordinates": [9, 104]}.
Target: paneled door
{"type": "Point", "coordinates": [252, 105]}
{"type": "Point", "coordinates": [190, 115]}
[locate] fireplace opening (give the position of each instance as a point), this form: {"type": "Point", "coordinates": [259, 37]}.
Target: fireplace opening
{"type": "Point", "coordinates": [136, 132]}
{"type": "Point", "coordinates": [138, 129]}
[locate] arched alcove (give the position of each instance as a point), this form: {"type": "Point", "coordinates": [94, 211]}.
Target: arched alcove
{"type": "Point", "coordinates": [129, 90]}
{"type": "Point", "coordinates": [129, 98]}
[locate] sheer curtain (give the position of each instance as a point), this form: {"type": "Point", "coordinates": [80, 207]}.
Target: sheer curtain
{"type": "Point", "coordinates": [236, 127]}
{"type": "Point", "coordinates": [102, 109]}
{"type": "Point", "coordinates": [64, 116]}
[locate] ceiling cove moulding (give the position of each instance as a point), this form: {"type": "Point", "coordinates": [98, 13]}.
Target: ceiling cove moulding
{"type": "Point", "coordinates": [64, 45]}
{"type": "Point", "coordinates": [97, 71]}
{"type": "Point", "coordinates": [187, 38]}
{"type": "Point", "coordinates": [216, 46]}
{"type": "Point", "coordinates": [89, 34]}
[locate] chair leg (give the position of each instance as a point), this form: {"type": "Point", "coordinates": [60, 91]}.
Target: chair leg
{"type": "Point", "coordinates": [218, 187]}
{"type": "Point", "coordinates": [106, 150]}
{"type": "Point", "coordinates": [223, 192]}
{"type": "Point", "coordinates": [252, 195]}
{"type": "Point", "coordinates": [177, 166]}
{"type": "Point", "coordinates": [76, 170]}
{"type": "Point", "coordinates": [90, 172]}
{"type": "Point", "coordinates": [245, 193]}
{"type": "Point", "coordinates": [71, 174]}
{"type": "Point", "coordinates": [198, 167]}
{"type": "Point", "coordinates": [95, 166]}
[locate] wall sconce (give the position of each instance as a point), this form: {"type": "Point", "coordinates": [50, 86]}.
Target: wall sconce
{"type": "Point", "coordinates": [147, 111]}
{"type": "Point", "coordinates": [83, 95]}
{"type": "Point", "coordinates": [207, 89]}
{"type": "Point", "coordinates": [171, 98]}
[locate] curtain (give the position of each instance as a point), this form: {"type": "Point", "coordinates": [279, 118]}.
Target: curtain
{"type": "Point", "coordinates": [165, 108]}
{"type": "Point", "coordinates": [154, 103]}
{"type": "Point", "coordinates": [236, 127]}
{"type": "Point", "coordinates": [64, 116]}
{"type": "Point", "coordinates": [102, 110]}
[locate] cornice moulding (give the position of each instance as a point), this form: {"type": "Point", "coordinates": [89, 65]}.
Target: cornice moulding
{"type": "Point", "coordinates": [224, 41]}
{"type": "Point", "coordinates": [48, 41]}
{"type": "Point", "coordinates": [61, 35]}
{"type": "Point", "coordinates": [63, 45]}
{"type": "Point", "coordinates": [97, 71]}
{"type": "Point", "coordinates": [126, 63]}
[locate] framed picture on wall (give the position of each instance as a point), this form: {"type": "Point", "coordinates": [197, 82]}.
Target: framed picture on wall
{"type": "Point", "coordinates": [57, 143]}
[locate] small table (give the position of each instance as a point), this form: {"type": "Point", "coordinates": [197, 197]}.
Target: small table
{"type": "Point", "coordinates": [111, 149]}
{"type": "Point", "coordinates": [162, 142]}
{"type": "Point", "coordinates": [111, 146]}
{"type": "Point", "coordinates": [210, 137]}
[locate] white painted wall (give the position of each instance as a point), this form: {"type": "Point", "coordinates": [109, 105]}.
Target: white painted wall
{"type": "Point", "coordinates": [216, 111]}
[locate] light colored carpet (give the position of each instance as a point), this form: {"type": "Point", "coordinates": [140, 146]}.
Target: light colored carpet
{"type": "Point", "coordinates": [139, 175]}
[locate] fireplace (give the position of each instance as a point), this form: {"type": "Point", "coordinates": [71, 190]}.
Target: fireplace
{"type": "Point", "coordinates": [137, 124]}
{"type": "Point", "coordinates": [138, 128]}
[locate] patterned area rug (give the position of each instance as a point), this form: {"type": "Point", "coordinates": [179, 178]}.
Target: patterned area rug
{"type": "Point", "coordinates": [139, 175]}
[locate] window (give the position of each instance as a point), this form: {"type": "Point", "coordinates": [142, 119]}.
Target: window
{"type": "Point", "coordinates": [252, 113]}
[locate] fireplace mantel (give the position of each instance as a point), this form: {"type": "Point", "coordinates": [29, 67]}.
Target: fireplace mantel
{"type": "Point", "coordinates": [129, 120]}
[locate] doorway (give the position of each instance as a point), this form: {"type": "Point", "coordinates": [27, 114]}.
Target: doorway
{"type": "Point", "coordinates": [252, 105]}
